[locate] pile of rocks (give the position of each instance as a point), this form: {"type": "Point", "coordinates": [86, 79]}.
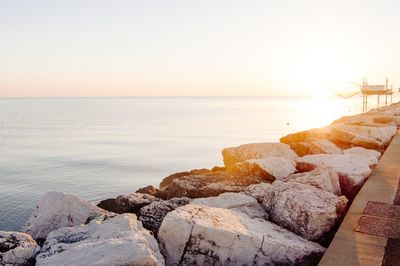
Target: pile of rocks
{"type": "Point", "coordinates": [271, 203]}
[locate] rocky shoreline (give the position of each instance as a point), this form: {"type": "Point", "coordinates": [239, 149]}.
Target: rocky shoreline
{"type": "Point", "coordinates": [270, 204]}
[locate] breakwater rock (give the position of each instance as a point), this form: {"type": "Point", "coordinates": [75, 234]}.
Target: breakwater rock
{"type": "Point", "coordinates": [270, 204]}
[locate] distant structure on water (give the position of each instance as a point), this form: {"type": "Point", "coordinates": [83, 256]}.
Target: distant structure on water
{"type": "Point", "coordinates": [377, 90]}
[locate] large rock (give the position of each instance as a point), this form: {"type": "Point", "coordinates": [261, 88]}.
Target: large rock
{"type": "Point", "coordinates": [207, 185]}
{"type": "Point", "coordinates": [269, 168]}
{"type": "Point", "coordinates": [235, 155]}
{"type": "Point", "coordinates": [303, 209]}
{"type": "Point", "coordinates": [238, 202]}
{"type": "Point", "coordinates": [321, 146]}
{"type": "Point", "coordinates": [324, 178]}
{"type": "Point", "coordinates": [363, 151]}
{"type": "Point", "coordinates": [166, 182]}
{"type": "Point", "coordinates": [353, 169]}
{"type": "Point", "coordinates": [56, 210]}
{"type": "Point", "coordinates": [306, 136]}
{"type": "Point", "coordinates": [130, 203]}
{"type": "Point", "coordinates": [153, 214]}
{"type": "Point", "coordinates": [199, 235]}
{"type": "Point", "coordinates": [368, 120]}
{"type": "Point", "coordinates": [115, 241]}
{"type": "Point", "coordinates": [17, 249]}
{"type": "Point", "coordinates": [368, 137]}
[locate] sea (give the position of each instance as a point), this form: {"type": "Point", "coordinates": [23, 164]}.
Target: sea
{"type": "Point", "coordinates": [98, 148]}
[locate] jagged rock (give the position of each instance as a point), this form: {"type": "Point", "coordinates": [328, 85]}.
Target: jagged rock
{"type": "Point", "coordinates": [368, 120]}
{"type": "Point", "coordinates": [306, 136]}
{"type": "Point", "coordinates": [269, 169]}
{"type": "Point", "coordinates": [257, 191]}
{"type": "Point", "coordinates": [325, 146]}
{"type": "Point", "coordinates": [199, 235]}
{"type": "Point", "coordinates": [367, 137]}
{"type": "Point", "coordinates": [238, 202]}
{"type": "Point", "coordinates": [151, 190]}
{"type": "Point", "coordinates": [17, 249]}
{"type": "Point", "coordinates": [56, 210]}
{"type": "Point", "coordinates": [130, 203]}
{"type": "Point", "coordinates": [235, 155]}
{"type": "Point", "coordinates": [207, 185]}
{"type": "Point", "coordinates": [166, 182]}
{"type": "Point", "coordinates": [324, 178]}
{"type": "Point", "coordinates": [363, 151]}
{"type": "Point", "coordinates": [303, 209]}
{"type": "Point", "coordinates": [353, 169]}
{"type": "Point", "coordinates": [114, 241]}
{"type": "Point", "coordinates": [153, 214]}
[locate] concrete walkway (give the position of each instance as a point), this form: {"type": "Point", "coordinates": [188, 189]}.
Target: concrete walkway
{"type": "Point", "coordinates": [355, 248]}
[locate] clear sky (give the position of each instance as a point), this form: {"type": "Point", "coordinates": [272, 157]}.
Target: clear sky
{"type": "Point", "coordinates": [195, 48]}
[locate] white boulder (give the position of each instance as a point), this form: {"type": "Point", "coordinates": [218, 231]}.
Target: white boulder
{"type": "Point", "coordinates": [114, 241]}
{"type": "Point", "coordinates": [368, 137]}
{"type": "Point", "coordinates": [269, 168]}
{"type": "Point", "coordinates": [17, 248]}
{"type": "Point", "coordinates": [56, 210]}
{"type": "Point", "coordinates": [199, 235]}
{"type": "Point", "coordinates": [324, 178]}
{"type": "Point", "coordinates": [303, 209]}
{"type": "Point", "coordinates": [245, 152]}
{"type": "Point", "coordinates": [236, 202]}
{"type": "Point", "coordinates": [363, 151]}
{"type": "Point", "coordinates": [353, 169]}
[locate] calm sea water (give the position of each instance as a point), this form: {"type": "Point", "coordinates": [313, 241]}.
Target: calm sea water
{"type": "Point", "coordinates": [101, 147]}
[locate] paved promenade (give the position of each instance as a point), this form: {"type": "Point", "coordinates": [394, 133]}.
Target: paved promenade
{"type": "Point", "coordinates": [375, 239]}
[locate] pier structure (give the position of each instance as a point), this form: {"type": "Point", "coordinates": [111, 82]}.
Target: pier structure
{"type": "Point", "coordinates": [377, 90]}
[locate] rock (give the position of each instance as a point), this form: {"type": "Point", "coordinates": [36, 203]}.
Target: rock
{"type": "Point", "coordinates": [363, 151]}
{"type": "Point", "coordinates": [325, 146]}
{"type": "Point", "coordinates": [17, 249]}
{"type": "Point", "coordinates": [257, 191]}
{"type": "Point", "coordinates": [56, 210]}
{"type": "Point", "coordinates": [153, 214]}
{"type": "Point", "coordinates": [199, 235]}
{"type": "Point", "coordinates": [368, 120]}
{"type": "Point", "coordinates": [166, 182]}
{"type": "Point", "coordinates": [150, 190]}
{"type": "Point", "coordinates": [236, 202]}
{"type": "Point", "coordinates": [303, 209]}
{"type": "Point", "coordinates": [235, 155]}
{"type": "Point", "coordinates": [120, 240]}
{"type": "Point", "coordinates": [353, 169]}
{"type": "Point", "coordinates": [269, 168]}
{"type": "Point", "coordinates": [130, 203]}
{"type": "Point", "coordinates": [207, 185]}
{"type": "Point", "coordinates": [324, 178]}
{"type": "Point", "coordinates": [367, 137]}
{"type": "Point", "coordinates": [306, 136]}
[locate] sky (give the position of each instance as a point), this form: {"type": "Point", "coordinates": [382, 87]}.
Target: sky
{"type": "Point", "coordinates": [196, 48]}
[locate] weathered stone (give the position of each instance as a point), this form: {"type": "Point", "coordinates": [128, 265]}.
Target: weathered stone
{"type": "Point", "coordinates": [303, 209]}
{"type": "Point", "coordinates": [269, 168]}
{"type": "Point", "coordinates": [368, 120]}
{"type": "Point", "coordinates": [153, 214]}
{"type": "Point", "coordinates": [199, 235]}
{"type": "Point", "coordinates": [56, 210]}
{"type": "Point", "coordinates": [321, 146]}
{"type": "Point", "coordinates": [306, 136]}
{"type": "Point", "coordinates": [324, 178]}
{"type": "Point", "coordinates": [151, 190]}
{"type": "Point", "coordinates": [207, 185]}
{"type": "Point", "coordinates": [114, 241]}
{"type": "Point", "coordinates": [17, 249]}
{"type": "Point", "coordinates": [238, 202]}
{"type": "Point", "coordinates": [353, 169]}
{"type": "Point", "coordinates": [235, 155]}
{"type": "Point", "coordinates": [166, 182]}
{"type": "Point", "coordinates": [130, 203]}
{"type": "Point", "coordinates": [363, 151]}
{"type": "Point", "coordinates": [368, 137]}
